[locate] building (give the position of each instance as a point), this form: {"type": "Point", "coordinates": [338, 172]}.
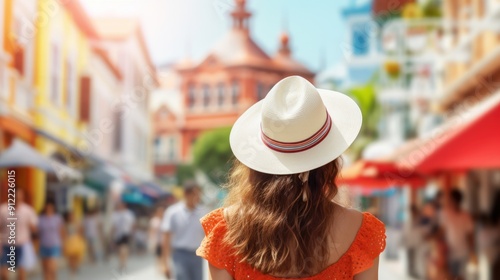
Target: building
{"type": "Point", "coordinates": [361, 49]}
{"type": "Point", "coordinates": [167, 122]}
{"type": "Point", "coordinates": [123, 41]}
{"type": "Point", "coordinates": [16, 83]}
{"type": "Point", "coordinates": [235, 74]}
{"type": "Point", "coordinates": [60, 69]}
{"type": "Point", "coordinates": [105, 83]}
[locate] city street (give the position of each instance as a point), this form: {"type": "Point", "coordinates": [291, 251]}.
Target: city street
{"type": "Point", "coordinates": [140, 267]}
{"type": "Point", "coordinates": [144, 267]}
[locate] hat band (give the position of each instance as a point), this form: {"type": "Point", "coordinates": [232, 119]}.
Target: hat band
{"type": "Point", "coordinates": [295, 147]}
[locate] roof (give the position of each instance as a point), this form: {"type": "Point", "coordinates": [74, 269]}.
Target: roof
{"type": "Point", "coordinates": [105, 58]}
{"type": "Point", "coordinates": [116, 28]}
{"type": "Point", "coordinates": [119, 29]}
{"type": "Point", "coordinates": [238, 48]}
{"type": "Point", "coordinates": [81, 18]}
{"type": "Point", "coordinates": [388, 6]}
{"type": "Point", "coordinates": [288, 63]}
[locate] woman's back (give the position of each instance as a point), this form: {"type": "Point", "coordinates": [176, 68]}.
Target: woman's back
{"type": "Point", "coordinates": [281, 221]}
{"type": "Point", "coordinates": [356, 241]}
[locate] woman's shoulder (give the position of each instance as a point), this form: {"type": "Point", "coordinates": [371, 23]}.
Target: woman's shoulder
{"type": "Point", "coordinates": [214, 219]}
{"type": "Point", "coordinates": [366, 229]}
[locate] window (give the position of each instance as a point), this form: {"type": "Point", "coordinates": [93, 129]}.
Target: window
{"type": "Point", "coordinates": [360, 40]}
{"type": "Point", "coordinates": [19, 47]}
{"type": "Point", "coordinates": [171, 149]}
{"type": "Point", "coordinates": [54, 74]}
{"type": "Point", "coordinates": [191, 97]}
{"type": "Point", "coordinates": [85, 99]}
{"type": "Point", "coordinates": [157, 149]}
{"type": "Point", "coordinates": [220, 94]}
{"type": "Point", "coordinates": [235, 93]}
{"type": "Point", "coordinates": [206, 96]}
{"type": "Point", "coordinates": [260, 91]}
{"type": "Point", "coordinates": [70, 87]}
{"type": "Point", "coordinates": [19, 59]}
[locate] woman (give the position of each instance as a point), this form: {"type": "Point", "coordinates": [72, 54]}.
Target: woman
{"type": "Point", "coordinates": [93, 231]}
{"type": "Point", "coordinates": [74, 245]}
{"type": "Point", "coordinates": [279, 219]}
{"type": "Point", "coordinates": [155, 234]}
{"type": "Point", "coordinates": [51, 230]}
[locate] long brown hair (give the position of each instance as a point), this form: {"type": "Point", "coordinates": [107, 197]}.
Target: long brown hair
{"type": "Point", "coordinates": [279, 223]}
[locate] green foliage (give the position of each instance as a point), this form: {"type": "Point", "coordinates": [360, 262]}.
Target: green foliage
{"type": "Point", "coordinates": [432, 9]}
{"type": "Point", "coordinates": [366, 97]}
{"type": "Point", "coordinates": [212, 154]}
{"type": "Point", "coordinates": [185, 172]}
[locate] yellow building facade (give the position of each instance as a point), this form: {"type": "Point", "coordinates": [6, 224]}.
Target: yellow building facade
{"type": "Point", "coordinates": [62, 53]}
{"type": "Point", "coordinates": [16, 81]}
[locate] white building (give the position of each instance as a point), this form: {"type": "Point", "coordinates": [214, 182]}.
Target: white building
{"type": "Point", "coordinates": [125, 44]}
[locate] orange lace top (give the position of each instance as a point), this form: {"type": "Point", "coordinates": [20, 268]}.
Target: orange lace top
{"type": "Point", "coordinates": [367, 245]}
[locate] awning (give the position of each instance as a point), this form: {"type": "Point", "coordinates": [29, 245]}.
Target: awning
{"type": "Point", "coordinates": [83, 191]}
{"type": "Point", "coordinates": [152, 190]}
{"type": "Point", "coordinates": [133, 195]}
{"type": "Point", "coordinates": [101, 176]}
{"type": "Point", "coordinates": [55, 139]}
{"type": "Point", "coordinates": [20, 154]}
{"type": "Point", "coordinates": [372, 174]}
{"type": "Point", "coordinates": [468, 141]}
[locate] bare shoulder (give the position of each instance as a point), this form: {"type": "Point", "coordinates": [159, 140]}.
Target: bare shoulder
{"type": "Point", "coordinates": [348, 219]}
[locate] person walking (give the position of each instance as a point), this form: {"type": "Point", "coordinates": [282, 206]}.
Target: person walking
{"type": "Point", "coordinates": [182, 235]}
{"type": "Point", "coordinates": [74, 244]}
{"type": "Point", "coordinates": [123, 222]}
{"type": "Point", "coordinates": [26, 224]}
{"type": "Point", "coordinates": [51, 233]}
{"type": "Point", "coordinates": [279, 220]}
{"type": "Point", "coordinates": [412, 239]}
{"type": "Point", "coordinates": [92, 225]}
{"type": "Point", "coordinates": [155, 234]}
{"type": "Point", "coordinates": [458, 228]}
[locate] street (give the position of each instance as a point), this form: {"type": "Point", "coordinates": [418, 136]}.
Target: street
{"type": "Point", "coordinates": [140, 267]}
{"type": "Point", "coordinates": [144, 267]}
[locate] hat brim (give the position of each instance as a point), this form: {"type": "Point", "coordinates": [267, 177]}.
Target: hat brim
{"type": "Point", "coordinates": [248, 148]}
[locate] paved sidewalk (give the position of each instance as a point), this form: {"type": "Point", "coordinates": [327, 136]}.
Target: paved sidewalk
{"type": "Point", "coordinates": [144, 267]}
{"type": "Point", "coordinates": [137, 265]}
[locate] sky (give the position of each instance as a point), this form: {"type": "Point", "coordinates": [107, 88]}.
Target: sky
{"type": "Point", "coordinates": [176, 29]}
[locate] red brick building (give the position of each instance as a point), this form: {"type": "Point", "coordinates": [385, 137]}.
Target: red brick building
{"type": "Point", "coordinates": [234, 75]}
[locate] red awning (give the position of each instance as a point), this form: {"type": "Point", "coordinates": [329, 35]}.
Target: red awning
{"type": "Point", "coordinates": [468, 141]}
{"type": "Point", "coordinates": [373, 174]}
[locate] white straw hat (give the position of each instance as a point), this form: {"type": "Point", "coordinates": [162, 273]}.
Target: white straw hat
{"type": "Point", "coordinates": [295, 128]}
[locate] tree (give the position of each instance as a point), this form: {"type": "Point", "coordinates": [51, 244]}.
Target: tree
{"type": "Point", "coordinates": [213, 155]}
{"type": "Point", "coordinates": [365, 95]}
{"type": "Point", "coordinates": [185, 172]}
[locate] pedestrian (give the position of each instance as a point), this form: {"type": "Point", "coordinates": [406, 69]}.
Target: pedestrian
{"type": "Point", "coordinates": [93, 230]}
{"type": "Point", "coordinates": [182, 235]}
{"type": "Point", "coordinates": [74, 244]}
{"type": "Point", "coordinates": [412, 239]}
{"type": "Point", "coordinates": [458, 228]}
{"type": "Point", "coordinates": [279, 219]}
{"type": "Point", "coordinates": [123, 223]}
{"type": "Point", "coordinates": [26, 225]}
{"type": "Point", "coordinates": [155, 234]}
{"type": "Point", "coordinates": [51, 232]}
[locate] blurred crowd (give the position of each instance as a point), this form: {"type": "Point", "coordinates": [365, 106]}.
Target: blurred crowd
{"type": "Point", "coordinates": [45, 241]}
{"type": "Point", "coordinates": [444, 241]}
